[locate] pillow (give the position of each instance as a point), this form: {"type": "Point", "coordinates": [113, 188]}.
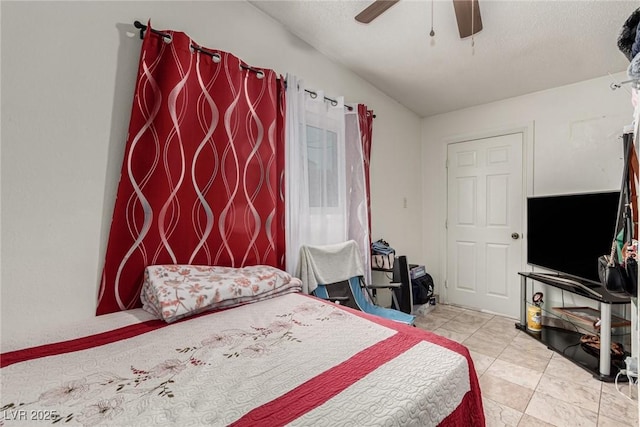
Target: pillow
{"type": "Point", "coordinates": [171, 292]}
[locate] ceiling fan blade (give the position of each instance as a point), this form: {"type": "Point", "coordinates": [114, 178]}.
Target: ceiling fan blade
{"type": "Point", "coordinates": [463, 10]}
{"type": "Point", "coordinates": [374, 10]}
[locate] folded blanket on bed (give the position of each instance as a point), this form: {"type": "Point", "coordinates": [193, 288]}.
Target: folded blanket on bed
{"type": "Point", "coordinates": [171, 292]}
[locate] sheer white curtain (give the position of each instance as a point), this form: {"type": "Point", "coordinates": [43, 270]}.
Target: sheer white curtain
{"type": "Point", "coordinates": [325, 201]}
{"type": "Point", "coordinates": [296, 180]}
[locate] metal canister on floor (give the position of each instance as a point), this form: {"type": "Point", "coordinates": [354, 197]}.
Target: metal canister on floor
{"type": "Point", "coordinates": [534, 313]}
{"type": "Point", "coordinates": [534, 318]}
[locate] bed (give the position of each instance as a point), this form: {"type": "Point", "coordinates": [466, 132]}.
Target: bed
{"type": "Point", "coordinates": [289, 359]}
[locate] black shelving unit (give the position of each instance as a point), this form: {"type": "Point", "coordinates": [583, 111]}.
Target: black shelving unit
{"type": "Point", "coordinates": [565, 341]}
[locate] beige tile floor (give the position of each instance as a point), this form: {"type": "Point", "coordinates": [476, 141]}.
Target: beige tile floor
{"type": "Point", "coordinates": [525, 384]}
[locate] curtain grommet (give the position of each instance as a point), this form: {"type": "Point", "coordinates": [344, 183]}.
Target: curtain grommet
{"type": "Point", "coordinates": [216, 58]}
{"type": "Point", "coordinates": [260, 74]}
{"type": "Point", "coordinates": [167, 38]}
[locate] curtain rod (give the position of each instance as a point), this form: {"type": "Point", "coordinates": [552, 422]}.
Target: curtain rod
{"type": "Point", "coordinates": [634, 84]}
{"type": "Point", "coordinates": [332, 101]}
{"type": "Point", "coordinates": [139, 25]}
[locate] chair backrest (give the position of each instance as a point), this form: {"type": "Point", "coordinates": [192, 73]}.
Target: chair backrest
{"type": "Point", "coordinates": [340, 292]}
{"type": "Point", "coordinates": [329, 264]}
{"type": "Point", "coordinates": [327, 267]}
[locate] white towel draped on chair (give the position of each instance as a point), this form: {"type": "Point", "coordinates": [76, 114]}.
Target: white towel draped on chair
{"type": "Point", "coordinates": [328, 264]}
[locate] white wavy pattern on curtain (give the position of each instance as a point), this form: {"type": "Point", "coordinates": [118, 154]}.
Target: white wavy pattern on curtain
{"type": "Point", "coordinates": [272, 187]}
{"type": "Point", "coordinates": [251, 194]}
{"type": "Point", "coordinates": [208, 127]}
{"type": "Point", "coordinates": [231, 129]}
{"type": "Point", "coordinates": [138, 195]}
{"type": "Point", "coordinates": [214, 151]}
{"type": "Point", "coordinates": [176, 112]}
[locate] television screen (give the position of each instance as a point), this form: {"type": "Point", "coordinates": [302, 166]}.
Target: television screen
{"type": "Point", "coordinates": [567, 233]}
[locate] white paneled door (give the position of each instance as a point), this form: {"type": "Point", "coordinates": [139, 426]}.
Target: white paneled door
{"type": "Point", "coordinates": [485, 223]}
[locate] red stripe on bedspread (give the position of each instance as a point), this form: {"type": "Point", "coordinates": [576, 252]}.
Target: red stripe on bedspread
{"type": "Point", "coordinates": [90, 341]}
{"type": "Point", "coordinates": [333, 381]}
{"type": "Point", "coordinates": [78, 344]}
{"type": "Point", "coordinates": [416, 332]}
{"type": "Point", "coordinates": [324, 386]}
{"type": "Point", "coordinates": [470, 412]}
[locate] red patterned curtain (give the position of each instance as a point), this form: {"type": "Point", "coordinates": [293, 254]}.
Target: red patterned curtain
{"type": "Point", "coordinates": [365, 120]}
{"type": "Point", "coordinates": [202, 176]}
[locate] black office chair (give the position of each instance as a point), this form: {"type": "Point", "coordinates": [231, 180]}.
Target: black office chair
{"type": "Point", "coordinates": [400, 286]}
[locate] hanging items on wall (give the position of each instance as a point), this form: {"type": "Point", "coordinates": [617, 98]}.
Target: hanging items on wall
{"type": "Point", "coordinates": [618, 270]}
{"type": "Point", "coordinates": [203, 167]}
{"type": "Point", "coordinates": [629, 43]}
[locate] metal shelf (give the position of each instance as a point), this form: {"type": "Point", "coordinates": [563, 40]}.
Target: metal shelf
{"type": "Point", "coordinates": [567, 343]}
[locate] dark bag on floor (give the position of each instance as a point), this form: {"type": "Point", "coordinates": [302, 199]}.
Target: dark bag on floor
{"type": "Point", "coordinates": [422, 288]}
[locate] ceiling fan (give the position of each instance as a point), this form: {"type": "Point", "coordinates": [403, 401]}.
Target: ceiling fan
{"type": "Point", "coordinates": [464, 10]}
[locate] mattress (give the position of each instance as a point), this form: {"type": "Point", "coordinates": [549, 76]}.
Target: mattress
{"type": "Point", "coordinates": [289, 360]}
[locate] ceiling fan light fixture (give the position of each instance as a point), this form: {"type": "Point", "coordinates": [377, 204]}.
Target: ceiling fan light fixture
{"type": "Point", "coordinates": [467, 15]}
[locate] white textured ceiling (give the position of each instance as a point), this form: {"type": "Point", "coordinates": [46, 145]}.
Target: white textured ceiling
{"type": "Point", "coordinates": [525, 46]}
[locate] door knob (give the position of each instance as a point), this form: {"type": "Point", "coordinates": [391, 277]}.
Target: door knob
{"type": "Point", "coordinates": [515, 236]}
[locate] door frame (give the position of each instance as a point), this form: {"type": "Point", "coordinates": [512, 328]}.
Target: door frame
{"type": "Point", "coordinates": [527, 130]}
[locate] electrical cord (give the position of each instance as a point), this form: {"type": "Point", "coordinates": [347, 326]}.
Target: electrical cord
{"type": "Point", "coordinates": [631, 382]}
{"type": "Point", "coordinates": [568, 347]}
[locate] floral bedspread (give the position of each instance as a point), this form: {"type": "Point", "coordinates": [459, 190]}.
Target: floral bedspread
{"type": "Point", "coordinates": [290, 360]}
{"type": "Point", "coordinates": [171, 292]}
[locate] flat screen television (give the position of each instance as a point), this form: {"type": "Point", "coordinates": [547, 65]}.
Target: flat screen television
{"type": "Point", "coordinates": [567, 233]}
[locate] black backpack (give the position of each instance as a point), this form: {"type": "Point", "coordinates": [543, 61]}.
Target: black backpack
{"type": "Point", "coordinates": [422, 288]}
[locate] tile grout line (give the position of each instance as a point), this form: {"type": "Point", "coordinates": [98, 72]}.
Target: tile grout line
{"type": "Point", "coordinates": [533, 391]}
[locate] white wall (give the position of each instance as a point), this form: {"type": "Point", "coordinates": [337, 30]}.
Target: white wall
{"type": "Point", "coordinates": [68, 71]}
{"type": "Point", "coordinates": [574, 147]}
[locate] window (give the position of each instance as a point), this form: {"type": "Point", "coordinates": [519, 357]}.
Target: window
{"type": "Point", "coordinates": [322, 163]}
